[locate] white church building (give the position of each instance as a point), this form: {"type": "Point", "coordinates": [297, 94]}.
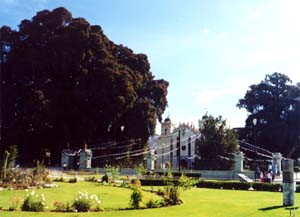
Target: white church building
{"type": "Point", "coordinates": [176, 146]}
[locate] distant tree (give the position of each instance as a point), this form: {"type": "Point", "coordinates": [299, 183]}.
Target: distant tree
{"type": "Point", "coordinates": [65, 82]}
{"type": "Point", "coordinates": [217, 142]}
{"type": "Point", "coordinates": [274, 103]}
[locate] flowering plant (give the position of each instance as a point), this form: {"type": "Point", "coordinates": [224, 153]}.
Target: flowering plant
{"type": "Point", "coordinates": [83, 202]}
{"type": "Point", "coordinates": [34, 202]}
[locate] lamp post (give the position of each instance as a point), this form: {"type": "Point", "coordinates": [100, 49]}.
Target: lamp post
{"type": "Point", "coordinates": [254, 121]}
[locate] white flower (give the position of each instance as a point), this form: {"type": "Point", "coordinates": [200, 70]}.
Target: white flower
{"type": "Point", "coordinates": [33, 192]}
{"type": "Point", "coordinates": [46, 207]}
{"type": "Point", "coordinates": [26, 190]}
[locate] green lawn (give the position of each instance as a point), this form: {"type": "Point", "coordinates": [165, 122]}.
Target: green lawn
{"type": "Point", "coordinates": [196, 202]}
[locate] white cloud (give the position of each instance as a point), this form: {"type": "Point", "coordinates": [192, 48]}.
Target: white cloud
{"type": "Point", "coordinates": [256, 14]}
{"type": "Point", "coordinates": [205, 31]}
{"type": "Point", "coordinates": [223, 35]}
{"type": "Point", "coordinates": [209, 95]}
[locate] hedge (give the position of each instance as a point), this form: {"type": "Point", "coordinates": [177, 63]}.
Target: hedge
{"type": "Point", "coordinates": [157, 182]}
{"type": "Point", "coordinates": [177, 174]}
{"type": "Point", "coordinates": [239, 185]}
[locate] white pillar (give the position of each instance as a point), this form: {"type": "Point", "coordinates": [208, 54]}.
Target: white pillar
{"type": "Point", "coordinates": [276, 161]}
{"type": "Point", "coordinates": [288, 186]}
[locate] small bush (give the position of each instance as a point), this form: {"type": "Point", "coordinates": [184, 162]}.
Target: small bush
{"type": "Point", "coordinates": [171, 195]}
{"type": "Point", "coordinates": [160, 192]}
{"type": "Point", "coordinates": [59, 206]}
{"type": "Point", "coordinates": [61, 179]}
{"type": "Point", "coordinates": [40, 172]}
{"type": "Point", "coordinates": [186, 182]}
{"type": "Point", "coordinates": [104, 178]}
{"type": "Point", "coordinates": [83, 202]}
{"type": "Point", "coordinates": [136, 196]}
{"type": "Point", "coordinates": [153, 203]}
{"type": "Point", "coordinates": [33, 202]}
{"type": "Point", "coordinates": [90, 179]}
{"type": "Point", "coordinates": [73, 180]}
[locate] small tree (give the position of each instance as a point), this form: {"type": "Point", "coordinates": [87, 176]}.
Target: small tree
{"type": "Point", "coordinates": [136, 196]}
{"type": "Point", "coordinates": [217, 141]}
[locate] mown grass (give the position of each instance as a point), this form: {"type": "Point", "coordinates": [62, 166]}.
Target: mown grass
{"type": "Point", "coordinates": [196, 202]}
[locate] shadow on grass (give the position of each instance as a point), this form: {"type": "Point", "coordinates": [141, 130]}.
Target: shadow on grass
{"type": "Point", "coordinates": [271, 208]}
{"type": "Point", "coordinates": [278, 207]}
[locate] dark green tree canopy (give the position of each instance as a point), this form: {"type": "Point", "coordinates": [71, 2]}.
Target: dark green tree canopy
{"type": "Point", "coordinates": [216, 140]}
{"type": "Point", "coordinates": [274, 103]}
{"type": "Point", "coordinates": [65, 82]}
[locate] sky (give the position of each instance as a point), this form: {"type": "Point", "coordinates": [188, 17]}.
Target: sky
{"type": "Point", "coordinates": [210, 52]}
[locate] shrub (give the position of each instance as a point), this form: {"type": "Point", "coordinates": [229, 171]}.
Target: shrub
{"type": "Point", "coordinates": [158, 182]}
{"type": "Point", "coordinates": [153, 203]}
{"type": "Point", "coordinates": [33, 202]}
{"type": "Point", "coordinates": [136, 196]}
{"type": "Point", "coordinates": [83, 202]}
{"type": "Point", "coordinates": [59, 206]}
{"type": "Point", "coordinates": [186, 182]}
{"type": "Point", "coordinates": [61, 179]}
{"type": "Point", "coordinates": [171, 195]}
{"type": "Point", "coordinates": [104, 178]}
{"type": "Point", "coordinates": [238, 185]}
{"type": "Point", "coordinates": [90, 179]}
{"type": "Point", "coordinates": [40, 173]}
{"type": "Point", "coordinates": [73, 180]}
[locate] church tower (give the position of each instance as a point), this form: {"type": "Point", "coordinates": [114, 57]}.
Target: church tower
{"type": "Point", "coordinates": [166, 127]}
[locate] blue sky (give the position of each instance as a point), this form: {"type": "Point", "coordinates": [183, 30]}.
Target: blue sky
{"type": "Point", "coordinates": [209, 51]}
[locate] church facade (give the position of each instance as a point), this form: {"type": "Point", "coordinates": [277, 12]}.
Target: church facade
{"type": "Point", "coordinates": [176, 147]}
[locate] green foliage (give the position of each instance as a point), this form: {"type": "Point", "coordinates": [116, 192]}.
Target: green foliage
{"type": "Point", "coordinates": [153, 203]}
{"type": "Point", "coordinates": [171, 195]}
{"type": "Point", "coordinates": [114, 172]}
{"type": "Point", "coordinates": [83, 202]}
{"type": "Point", "coordinates": [73, 180]}
{"type": "Point", "coordinates": [63, 207]}
{"type": "Point", "coordinates": [40, 172]}
{"type": "Point", "coordinates": [140, 170]}
{"type": "Point", "coordinates": [90, 179]}
{"type": "Point", "coordinates": [60, 179]}
{"type": "Point", "coordinates": [186, 182]}
{"type": "Point", "coordinates": [235, 185]}
{"type": "Point", "coordinates": [158, 182]}
{"type": "Point", "coordinates": [274, 103]}
{"type": "Point", "coordinates": [136, 195]}
{"type": "Point", "coordinates": [73, 84]}
{"type": "Point", "coordinates": [216, 142]}
{"type": "Point", "coordinates": [104, 178]}
{"type": "Point", "coordinates": [33, 202]}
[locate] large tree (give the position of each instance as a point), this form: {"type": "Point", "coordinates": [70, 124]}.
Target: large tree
{"type": "Point", "coordinates": [217, 143]}
{"type": "Point", "coordinates": [274, 103]}
{"type": "Point", "coordinates": [64, 82]}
